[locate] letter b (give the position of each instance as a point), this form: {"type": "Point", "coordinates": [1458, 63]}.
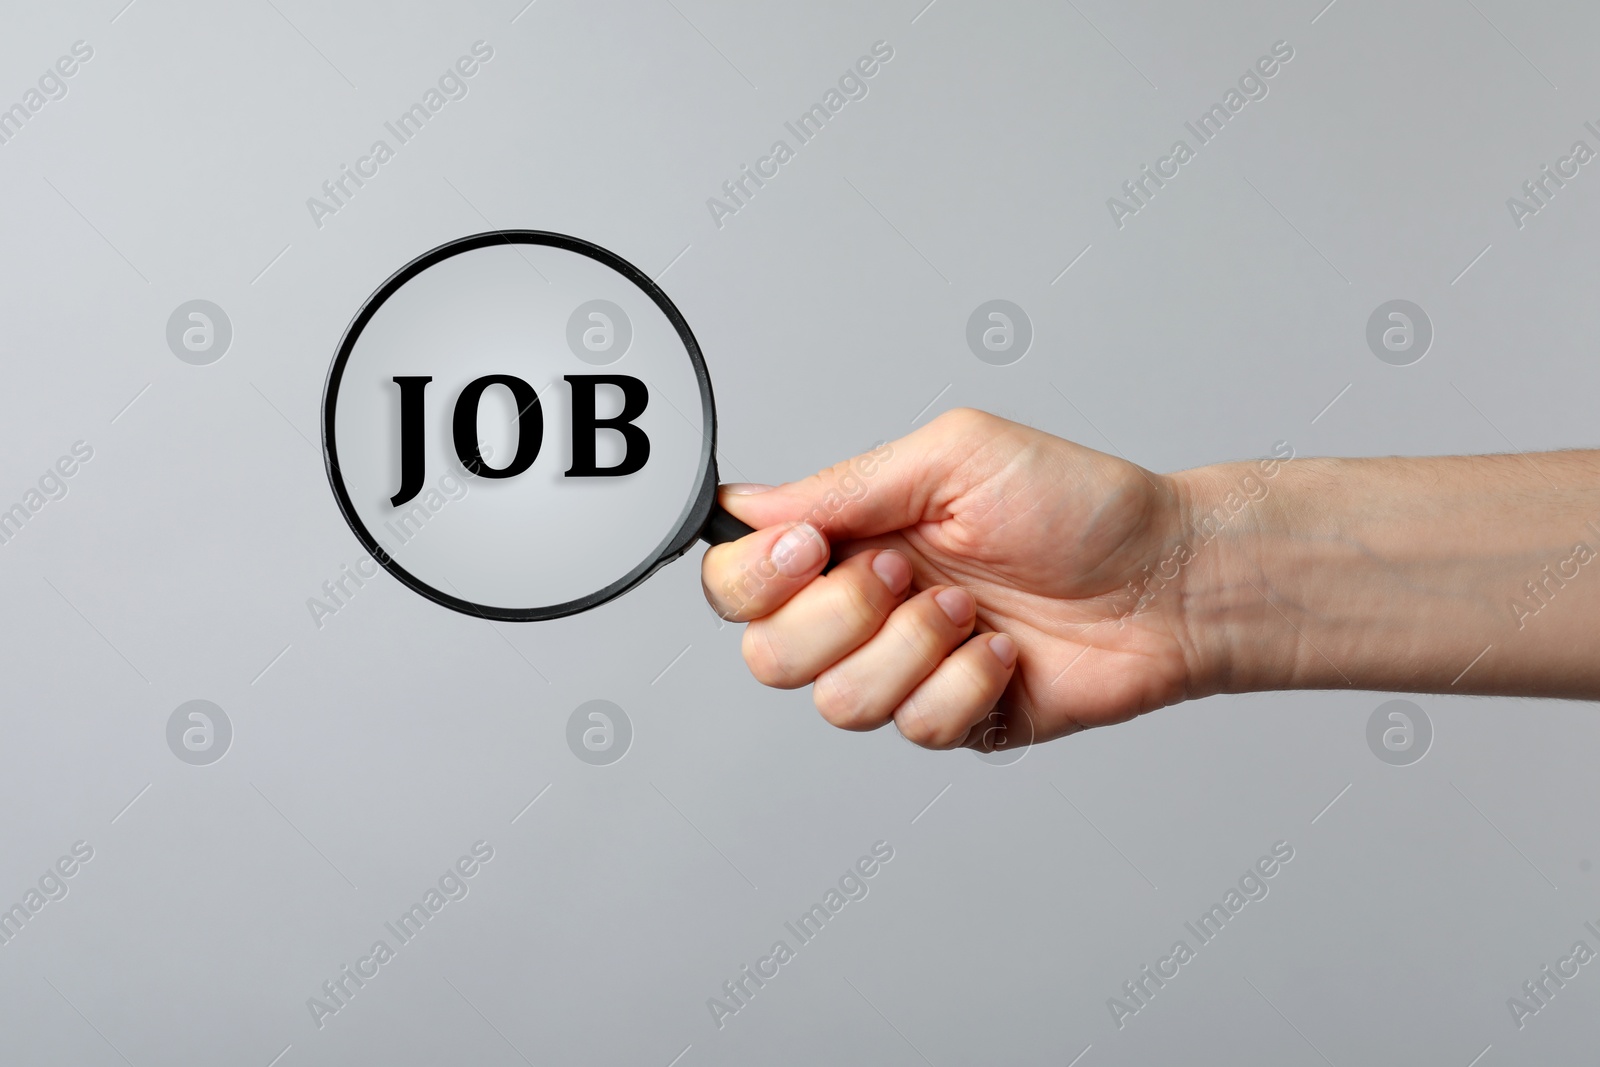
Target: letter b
{"type": "Point", "coordinates": [585, 425]}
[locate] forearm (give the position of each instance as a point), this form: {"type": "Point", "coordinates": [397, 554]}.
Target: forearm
{"type": "Point", "coordinates": [1473, 574]}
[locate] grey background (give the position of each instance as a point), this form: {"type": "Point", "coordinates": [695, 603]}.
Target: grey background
{"type": "Point", "coordinates": [369, 754]}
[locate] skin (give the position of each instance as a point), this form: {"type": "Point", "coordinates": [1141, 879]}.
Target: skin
{"type": "Point", "coordinates": [994, 585]}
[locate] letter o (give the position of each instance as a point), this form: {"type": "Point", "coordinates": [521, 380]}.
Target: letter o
{"type": "Point", "coordinates": [529, 419]}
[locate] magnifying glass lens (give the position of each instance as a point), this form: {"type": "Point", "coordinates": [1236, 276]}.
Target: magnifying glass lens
{"type": "Point", "coordinates": [520, 425]}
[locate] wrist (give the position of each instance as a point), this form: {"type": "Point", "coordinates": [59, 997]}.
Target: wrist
{"type": "Point", "coordinates": [1236, 521]}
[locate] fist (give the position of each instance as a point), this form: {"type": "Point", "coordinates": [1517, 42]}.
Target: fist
{"type": "Point", "coordinates": [990, 585]}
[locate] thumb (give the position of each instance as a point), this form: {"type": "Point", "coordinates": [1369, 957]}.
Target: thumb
{"type": "Point", "coordinates": [889, 487]}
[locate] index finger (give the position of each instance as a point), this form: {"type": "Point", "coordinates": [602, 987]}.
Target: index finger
{"type": "Point", "coordinates": [895, 485]}
{"type": "Point", "coordinates": [755, 575]}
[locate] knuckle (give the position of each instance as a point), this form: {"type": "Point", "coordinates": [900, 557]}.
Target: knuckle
{"type": "Point", "coordinates": [853, 608]}
{"type": "Point", "coordinates": [977, 682]}
{"type": "Point", "coordinates": [963, 421]}
{"type": "Point", "coordinates": [730, 593]}
{"type": "Point", "coordinates": [765, 659]}
{"type": "Point", "coordinates": [839, 701]}
{"type": "Point", "coordinates": [727, 603]}
{"type": "Point", "coordinates": [920, 727]}
{"type": "Point", "coordinates": [927, 629]}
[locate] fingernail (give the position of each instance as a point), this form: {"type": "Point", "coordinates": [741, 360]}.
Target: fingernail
{"type": "Point", "coordinates": [799, 551]}
{"type": "Point", "coordinates": [893, 569]}
{"type": "Point", "coordinates": [1004, 649]}
{"type": "Point", "coordinates": [746, 488]}
{"type": "Point", "coordinates": [957, 603]}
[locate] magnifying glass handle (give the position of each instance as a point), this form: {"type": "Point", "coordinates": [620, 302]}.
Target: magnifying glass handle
{"type": "Point", "coordinates": [722, 527]}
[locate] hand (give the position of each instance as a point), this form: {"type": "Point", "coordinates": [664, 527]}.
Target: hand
{"type": "Point", "coordinates": [1059, 557]}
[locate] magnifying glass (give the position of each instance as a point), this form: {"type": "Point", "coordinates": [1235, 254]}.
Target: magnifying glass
{"type": "Point", "coordinates": [519, 425]}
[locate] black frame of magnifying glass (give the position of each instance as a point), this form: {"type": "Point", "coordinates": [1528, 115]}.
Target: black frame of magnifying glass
{"type": "Point", "coordinates": [690, 523]}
